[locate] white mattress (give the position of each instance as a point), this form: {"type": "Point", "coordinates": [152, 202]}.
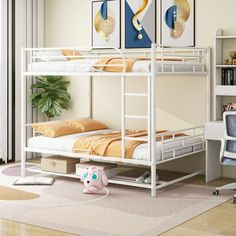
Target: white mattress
{"type": "Point", "coordinates": [65, 144]}
{"type": "Point", "coordinates": [86, 65]}
{"type": "Point", "coordinates": [83, 65]}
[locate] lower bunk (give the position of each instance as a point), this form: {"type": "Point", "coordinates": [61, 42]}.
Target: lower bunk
{"type": "Point", "coordinates": [190, 142]}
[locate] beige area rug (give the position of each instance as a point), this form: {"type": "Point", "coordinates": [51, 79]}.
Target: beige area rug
{"type": "Point", "coordinates": [12, 194]}
{"type": "Point", "coordinates": [118, 210]}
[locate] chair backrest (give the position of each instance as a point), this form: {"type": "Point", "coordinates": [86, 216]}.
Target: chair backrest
{"type": "Point", "coordinates": [228, 148]}
{"type": "Point", "coordinates": [230, 124]}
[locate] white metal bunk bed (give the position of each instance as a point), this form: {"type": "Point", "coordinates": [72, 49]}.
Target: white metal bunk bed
{"type": "Point", "coordinates": [191, 61]}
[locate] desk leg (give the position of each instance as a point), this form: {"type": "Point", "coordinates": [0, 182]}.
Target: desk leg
{"type": "Point", "coordinates": [213, 166]}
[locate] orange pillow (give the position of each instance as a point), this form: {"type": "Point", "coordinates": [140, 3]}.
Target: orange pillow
{"type": "Point", "coordinates": [86, 124]}
{"type": "Point", "coordinates": [55, 128]}
{"type": "Point", "coordinates": [69, 52]}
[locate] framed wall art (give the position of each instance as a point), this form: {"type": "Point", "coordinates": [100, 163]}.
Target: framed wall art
{"type": "Point", "coordinates": [178, 22]}
{"type": "Point", "coordinates": [106, 24]}
{"type": "Point", "coordinates": [140, 23]}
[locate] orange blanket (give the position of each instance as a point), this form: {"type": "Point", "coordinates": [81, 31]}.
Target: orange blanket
{"type": "Point", "coordinates": [110, 64]}
{"type": "Point", "coordinates": [109, 144]}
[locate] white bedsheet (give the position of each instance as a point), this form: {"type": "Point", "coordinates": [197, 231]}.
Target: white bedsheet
{"type": "Point", "coordinates": [83, 65]}
{"type": "Point", "coordinates": [145, 66]}
{"type": "Point", "coordinates": [65, 144]}
{"type": "Point", "coordinates": [86, 65]}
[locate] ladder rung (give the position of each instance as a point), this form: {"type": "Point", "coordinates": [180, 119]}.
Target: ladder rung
{"type": "Point", "coordinates": [136, 138]}
{"type": "Point", "coordinates": [135, 117]}
{"type": "Point", "coordinates": [136, 94]}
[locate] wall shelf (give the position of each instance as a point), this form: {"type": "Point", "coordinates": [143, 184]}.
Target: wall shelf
{"type": "Point", "coordinates": [223, 90]}
{"type": "Point", "coordinates": [225, 66]}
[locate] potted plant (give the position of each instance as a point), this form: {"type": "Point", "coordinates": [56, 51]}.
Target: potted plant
{"type": "Point", "coordinates": [51, 95]}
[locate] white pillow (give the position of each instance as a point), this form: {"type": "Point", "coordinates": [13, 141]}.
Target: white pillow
{"type": "Point", "coordinates": [51, 55]}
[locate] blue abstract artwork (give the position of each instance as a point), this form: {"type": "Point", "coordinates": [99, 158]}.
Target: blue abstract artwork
{"type": "Point", "coordinates": [106, 24]}
{"type": "Point", "coordinates": [178, 22]}
{"type": "Point", "coordinates": [140, 23]}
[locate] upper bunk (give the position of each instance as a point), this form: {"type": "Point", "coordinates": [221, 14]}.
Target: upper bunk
{"type": "Point", "coordinates": [115, 62]}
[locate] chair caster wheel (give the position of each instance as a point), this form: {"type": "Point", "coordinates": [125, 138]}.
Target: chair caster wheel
{"type": "Point", "coordinates": [216, 192]}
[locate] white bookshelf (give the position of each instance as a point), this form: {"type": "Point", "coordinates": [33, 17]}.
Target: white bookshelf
{"type": "Point", "coordinates": [221, 92]}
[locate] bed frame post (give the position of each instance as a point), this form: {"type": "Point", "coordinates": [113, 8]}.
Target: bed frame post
{"type": "Point", "coordinates": [123, 117]}
{"type": "Point", "coordinates": [23, 113]}
{"type": "Point", "coordinates": [123, 108]}
{"type": "Point", "coordinates": [90, 97]}
{"type": "Point", "coordinates": [153, 121]}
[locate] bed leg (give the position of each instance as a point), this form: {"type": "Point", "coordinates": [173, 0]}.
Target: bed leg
{"type": "Point", "coordinates": [23, 159]}
{"type": "Point", "coordinates": [153, 181]}
{"type": "Point", "coordinates": [153, 192]}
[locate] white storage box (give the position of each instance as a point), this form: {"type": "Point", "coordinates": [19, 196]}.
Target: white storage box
{"type": "Point", "coordinates": [109, 169]}
{"type": "Point", "coordinates": [59, 164]}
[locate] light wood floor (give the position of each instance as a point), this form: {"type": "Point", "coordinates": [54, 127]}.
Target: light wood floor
{"type": "Point", "coordinates": [217, 221]}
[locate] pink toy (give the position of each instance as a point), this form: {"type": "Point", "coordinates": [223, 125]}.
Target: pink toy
{"type": "Point", "coordinates": [94, 180]}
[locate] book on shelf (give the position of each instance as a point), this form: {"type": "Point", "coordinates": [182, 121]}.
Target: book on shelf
{"type": "Point", "coordinates": [234, 76]}
{"type": "Point", "coordinates": [228, 76]}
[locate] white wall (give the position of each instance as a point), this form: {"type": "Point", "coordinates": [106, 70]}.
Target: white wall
{"type": "Point", "coordinates": [68, 23]}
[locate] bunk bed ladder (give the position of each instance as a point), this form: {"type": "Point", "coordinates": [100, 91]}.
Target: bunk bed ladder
{"type": "Point", "coordinates": [124, 95]}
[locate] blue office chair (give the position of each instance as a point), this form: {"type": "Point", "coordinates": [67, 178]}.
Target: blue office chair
{"type": "Point", "coordinates": [228, 148]}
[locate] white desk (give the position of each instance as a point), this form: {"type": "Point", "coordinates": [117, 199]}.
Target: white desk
{"type": "Point", "coordinates": [214, 132]}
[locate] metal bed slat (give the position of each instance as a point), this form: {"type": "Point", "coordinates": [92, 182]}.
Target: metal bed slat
{"type": "Point", "coordinates": [136, 117]}
{"type": "Point", "coordinates": [137, 94]}
{"type": "Point", "coordinates": [137, 138]}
